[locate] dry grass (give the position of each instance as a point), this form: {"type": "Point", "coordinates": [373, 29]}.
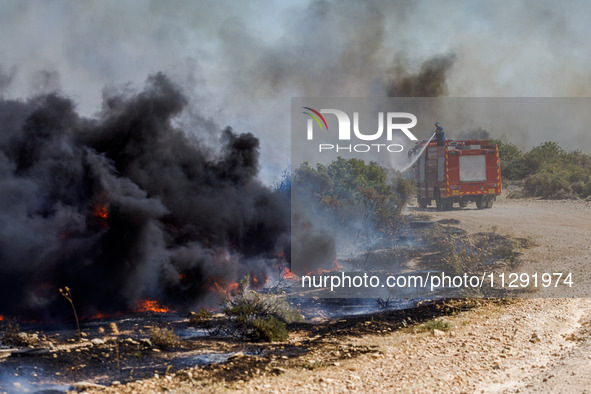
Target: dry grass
{"type": "Point", "coordinates": [468, 253]}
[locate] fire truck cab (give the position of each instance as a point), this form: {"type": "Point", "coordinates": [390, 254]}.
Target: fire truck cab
{"type": "Point", "coordinates": [449, 172]}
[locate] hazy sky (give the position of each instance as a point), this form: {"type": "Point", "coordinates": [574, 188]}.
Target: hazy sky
{"type": "Point", "coordinates": [241, 62]}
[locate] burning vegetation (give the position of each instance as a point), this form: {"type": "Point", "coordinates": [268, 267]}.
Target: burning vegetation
{"type": "Point", "coordinates": [129, 206]}
{"type": "Point", "coordinates": [150, 306]}
{"type": "Point", "coordinates": [129, 210]}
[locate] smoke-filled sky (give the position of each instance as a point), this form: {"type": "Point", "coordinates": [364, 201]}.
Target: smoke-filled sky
{"type": "Point", "coordinates": [239, 63]}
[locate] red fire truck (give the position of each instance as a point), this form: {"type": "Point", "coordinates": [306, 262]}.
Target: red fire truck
{"type": "Point", "coordinates": [457, 172]}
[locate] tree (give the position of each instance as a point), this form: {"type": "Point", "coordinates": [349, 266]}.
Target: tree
{"type": "Point", "coordinates": [512, 165]}
{"type": "Point", "coordinates": [547, 153]}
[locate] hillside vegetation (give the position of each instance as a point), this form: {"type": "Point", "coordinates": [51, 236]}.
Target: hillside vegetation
{"type": "Point", "coordinates": [547, 170]}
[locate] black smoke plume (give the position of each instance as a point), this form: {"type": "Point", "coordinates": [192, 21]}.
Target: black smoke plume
{"type": "Point", "coordinates": [474, 134]}
{"type": "Point", "coordinates": [429, 81]}
{"type": "Point", "coordinates": [126, 206]}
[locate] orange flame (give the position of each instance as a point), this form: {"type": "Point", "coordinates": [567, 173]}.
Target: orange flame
{"type": "Point", "coordinates": [1, 317]}
{"type": "Point", "coordinates": [336, 265]}
{"type": "Point", "coordinates": [100, 315]}
{"type": "Point", "coordinates": [283, 266]}
{"type": "Point", "coordinates": [101, 211]}
{"type": "Point", "coordinates": [226, 288]}
{"type": "Point", "coordinates": [258, 281]}
{"type": "Point", "coordinates": [287, 274]}
{"type": "Point", "coordinates": [150, 306]}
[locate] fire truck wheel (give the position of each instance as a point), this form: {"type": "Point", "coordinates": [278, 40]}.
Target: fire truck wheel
{"type": "Point", "coordinates": [489, 203]}
{"type": "Point", "coordinates": [479, 203]}
{"type": "Point", "coordinates": [423, 202]}
{"type": "Point", "coordinates": [463, 203]}
{"type": "Point", "coordinates": [438, 202]}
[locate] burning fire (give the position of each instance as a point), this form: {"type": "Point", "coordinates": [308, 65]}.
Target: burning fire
{"type": "Point", "coordinates": [225, 288]}
{"type": "Point", "coordinates": [336, 265]}
{"type": "Point", "coordinates": [1, 317]}
{"type": "Point", "coordinates": [259, 281]}
{"type": "Point", "coordinates": [287, 274]}
{"type": "Point", "coordinates": [150, 306]}
{"type": "Point", "coordinates": [101, 211]}
{"type": "Point", "coordinates": [284, 268]}
{"type": "Point", "coordinates": [101, 315]}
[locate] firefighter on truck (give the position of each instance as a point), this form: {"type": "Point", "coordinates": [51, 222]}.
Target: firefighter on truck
{"type": "Point", "coordinates": [451, 172]}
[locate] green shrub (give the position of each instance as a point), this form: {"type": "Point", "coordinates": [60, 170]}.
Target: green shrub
{"type": "Point", "coordinates": [547, 170]}
{"type": "Point", "coordinates": [548, 185]}
{"type": "Point", "coordinates": [259, 316]}
{"type": "Point", "coordinates": [546, 153]}
{"type": "Point", "coordinates": [431, 325]}
{"type": "Point", "coordinates": [512, 164]}
{"type": "Point", "coordinates": [269, 329]}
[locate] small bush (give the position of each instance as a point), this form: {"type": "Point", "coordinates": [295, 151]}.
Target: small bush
{"type": "Point", "coordinates": [164, 337]}
{"type": "Point", "coordinates": [462, 253]}
{"type": "Point", "coordinates": [269, 329]}
{"type": "Point", "coordinates": [548, 185]}
{"type": "Point", "coordinates": [197, 318]}
{"type": "Point", "coordinates": [527, 243]}
{"type": "Point", "coordinates": [431, 325]}
{"type": "Point", "coordinates": [259, 316]}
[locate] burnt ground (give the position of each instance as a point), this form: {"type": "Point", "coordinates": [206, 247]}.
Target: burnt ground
{"type": "Point", "coordinates": [57, 358]}
{"type": "Point", "coordinates": [55, 367]}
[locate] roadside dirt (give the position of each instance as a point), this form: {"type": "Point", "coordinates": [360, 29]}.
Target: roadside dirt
{"type": "Point", "coordinates": [561, 229]}
{"type": "Point", "coordinates": [526, 345]}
